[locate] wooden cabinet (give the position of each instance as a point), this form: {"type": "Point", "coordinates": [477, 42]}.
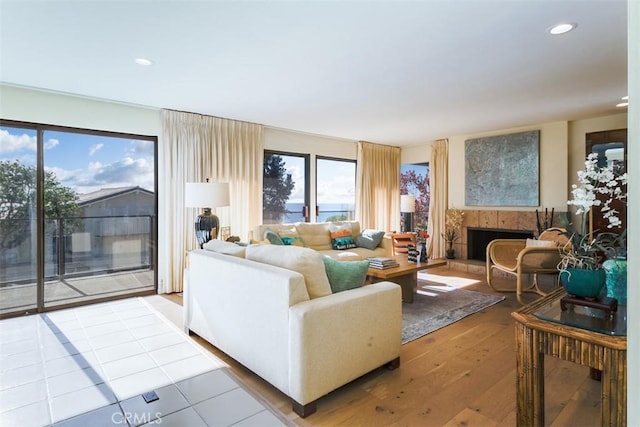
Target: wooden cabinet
{"type": "Point", "coordinates": [611, 146]}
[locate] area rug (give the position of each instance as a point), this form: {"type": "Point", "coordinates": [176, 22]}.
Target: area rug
{"type": "Point", "coordinates": [435, 307]}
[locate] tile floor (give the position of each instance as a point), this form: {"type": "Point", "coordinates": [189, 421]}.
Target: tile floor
{"type": "Point", "coordinates": [90, 366]}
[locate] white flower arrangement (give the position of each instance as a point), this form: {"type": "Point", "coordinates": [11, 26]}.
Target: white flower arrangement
{"type": "Point", "coordinates": [584, 249]}
{"type": "Point", "coordinates": [596, 180]}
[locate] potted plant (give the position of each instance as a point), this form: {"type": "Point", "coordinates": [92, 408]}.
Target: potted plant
{"type": "Point", "coordinates": [581, 264]}
{"type": "Point", "coordinates": [452, 221]}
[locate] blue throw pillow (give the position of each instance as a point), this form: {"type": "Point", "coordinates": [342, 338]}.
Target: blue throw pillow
{"type": "Point", "coordinates": [345, 275]}
{"type": "Point", "coordinates": [369, 239]}
{"type": "Point", "coordinates": [273, 238]}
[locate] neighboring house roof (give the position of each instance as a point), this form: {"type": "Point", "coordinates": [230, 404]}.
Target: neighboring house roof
{"type": "Point", "coordinates": [108, 193]}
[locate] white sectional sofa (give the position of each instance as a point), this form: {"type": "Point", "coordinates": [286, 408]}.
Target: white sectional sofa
{"type": "Point", "coordinates": [264, 317]}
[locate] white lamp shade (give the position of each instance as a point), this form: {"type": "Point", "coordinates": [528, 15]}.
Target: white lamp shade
{"type": "Point", "coordinates": [206, 194]}
{"type": "Point", "coordinates": [407, 203]}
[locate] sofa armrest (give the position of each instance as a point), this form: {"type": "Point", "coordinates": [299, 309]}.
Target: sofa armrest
{"type": "Point", "coordinates": [387, 245]}
{"type": "Point", "coordinates": [242, 307]}
{"type": "Point", "coordinates": [338, 338]}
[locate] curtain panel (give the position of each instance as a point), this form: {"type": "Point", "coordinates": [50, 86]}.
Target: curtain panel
{"type": "Point", "coordinates": [196, 147]}
{"type": "Point", "coordinates": [378, 186]}
{"type": "Point", "coordinates": [438, 178]}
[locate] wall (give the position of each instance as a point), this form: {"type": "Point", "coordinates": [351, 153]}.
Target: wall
{"type": "Point", "coordinates": [56, 109]}
{"type": "Point", "coordinates": [415, 154]}
{"type": "Point", "coordinates": [553, 161]}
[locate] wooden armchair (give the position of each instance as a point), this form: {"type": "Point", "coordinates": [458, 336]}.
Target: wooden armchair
{"type": "Point", "coordinates": [525, 256]}
{"type": "Point", "coordinates": [400, 242]}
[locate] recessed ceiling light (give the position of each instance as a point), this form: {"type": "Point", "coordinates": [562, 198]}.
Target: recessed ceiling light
{"type": "Point", "coordinates": [625, 98]}
{"type": "Point", "coordinates": [562, 28]}
{"type": "Point", "coordinates": [143, 61]}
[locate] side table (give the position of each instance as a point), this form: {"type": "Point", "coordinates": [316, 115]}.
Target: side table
{"type": "Point", "coordinates": [537, 336]}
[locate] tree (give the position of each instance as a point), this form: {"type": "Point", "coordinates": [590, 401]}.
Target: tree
{"type": "Point", "coordinates": [418, 185]}
{"type": "Point", "coordinates": [18, 201]}
{"type": "Point", "coordinates": [278, 186]}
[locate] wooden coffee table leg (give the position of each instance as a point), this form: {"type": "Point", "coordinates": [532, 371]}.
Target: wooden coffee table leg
{"type": "Point", "coordinates": [409, 285]}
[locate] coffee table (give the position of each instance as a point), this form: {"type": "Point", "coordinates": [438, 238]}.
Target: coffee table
{"type": "Point", "coordinates": [405, 275]}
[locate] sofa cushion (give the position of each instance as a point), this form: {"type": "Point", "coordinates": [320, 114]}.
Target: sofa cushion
{"type": "Point", "coordinates": [369, 239]}
{"type": "Point", "coordinates": [345, 275]}
{"type": "Point", "coordinates": [290, 237]}
{"type": "Point", "coordinates": [341, 237]}
{"type": "Point", "coordinates": [302, 260]}
{"type": "Point", "coordinates": [273, 237]}
{"type": "Point", "coordinates": [222, 247]}
{"type": "Point", "coordinates": [314, 235]}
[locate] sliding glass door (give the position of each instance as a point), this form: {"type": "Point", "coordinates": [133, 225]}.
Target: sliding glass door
{"type": "Point", "coordinates": [18, 220]}
{"type": "Point", "coordinates": [77, 212]}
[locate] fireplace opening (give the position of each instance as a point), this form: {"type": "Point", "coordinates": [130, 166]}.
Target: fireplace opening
{"type": "Point", "coordinates": [479, 238]}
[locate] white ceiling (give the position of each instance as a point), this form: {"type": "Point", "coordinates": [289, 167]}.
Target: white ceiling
{"type": "Point", "coordinates": [399, 73]}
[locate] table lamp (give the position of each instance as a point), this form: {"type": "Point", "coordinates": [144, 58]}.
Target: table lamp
{"type": "Point", "coordinates": [206, 195]}
{"type": "Point", "coordinates": [407, 208]}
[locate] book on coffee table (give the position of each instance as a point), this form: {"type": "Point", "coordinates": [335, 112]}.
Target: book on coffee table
{"type": "Point", "coordinates": [382, 262]}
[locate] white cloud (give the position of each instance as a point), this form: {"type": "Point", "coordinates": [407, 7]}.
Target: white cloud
{"type": "Point", "coordinates": [297, 174]}
{"type": "Point", "coordinates": [10, 143]}
{"type": "Point", "coordinates": [142, 148]}
{"type": "Point", "coordinates": [95, 148]}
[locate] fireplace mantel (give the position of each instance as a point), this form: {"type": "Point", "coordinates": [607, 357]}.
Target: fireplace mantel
{"type": "Point", "coordinates": [520, 221]}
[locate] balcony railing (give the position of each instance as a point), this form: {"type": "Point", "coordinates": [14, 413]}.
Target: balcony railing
{"type": "Point", "coordinates": [81, 246]}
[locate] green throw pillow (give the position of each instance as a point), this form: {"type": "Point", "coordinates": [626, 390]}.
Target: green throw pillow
{"type": "Point", "coordinates": [345, 275]}
{"type": "Point", "coordinates": [369, 239]}
{"type": "Point", "coordinates": [273, 238]}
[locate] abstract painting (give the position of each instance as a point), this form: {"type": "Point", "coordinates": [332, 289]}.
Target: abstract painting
{"type": "Point", "coordinates": [503, 170]}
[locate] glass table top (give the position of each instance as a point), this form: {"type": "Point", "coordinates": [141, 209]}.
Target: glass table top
{"type": "Point", "coordinates": [592, 319]}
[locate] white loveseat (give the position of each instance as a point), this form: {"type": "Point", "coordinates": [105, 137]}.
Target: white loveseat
{"type": "Point", "coordinates": [263, 317]}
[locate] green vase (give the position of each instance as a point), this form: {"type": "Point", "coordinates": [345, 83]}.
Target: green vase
{"type": "Point", "coordinates": [616, 279]}
{"type": "Point", "coordinates": [583, 283]}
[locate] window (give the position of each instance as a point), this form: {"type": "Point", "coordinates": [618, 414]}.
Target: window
{"type": "Point", "coordinates": [90, 235]}
{"type": "Point", "coordinates": [286, 183]}
{"type": "Point", "coordinates": [285, 188]}
{"type": "Point", "coordinates": [335, 189]}
{"type": "Point", "coordinates": [414, 180]}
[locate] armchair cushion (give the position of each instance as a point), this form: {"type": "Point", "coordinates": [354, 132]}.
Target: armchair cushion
{"type": "Point", "coordinates": [540, 243]}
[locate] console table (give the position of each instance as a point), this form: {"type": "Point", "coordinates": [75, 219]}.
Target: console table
{"type": "Point", "coordinates": [599, 342]}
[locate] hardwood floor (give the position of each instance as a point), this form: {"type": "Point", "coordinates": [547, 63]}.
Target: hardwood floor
{"type": "Point", "coordinates": [461, 375]}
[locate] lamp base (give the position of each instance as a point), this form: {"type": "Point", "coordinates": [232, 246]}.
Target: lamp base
{"type": "Point", "coordinates": [407, 222]}
{"type": "Point", "coordinates": [207, 226]}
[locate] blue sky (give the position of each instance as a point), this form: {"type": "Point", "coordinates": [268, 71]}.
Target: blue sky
{"type": "Point", "coordinates": [84, 162]}
{"type": "Point", "coordinates": [335, 185]}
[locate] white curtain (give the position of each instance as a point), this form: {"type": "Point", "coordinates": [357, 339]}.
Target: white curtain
{"type": "Point", "coordinates": [196, 147]}
{"type": "Point", "coordinates": [438, 179]}
{"type": "Point", "coordinates": [378, 186]}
